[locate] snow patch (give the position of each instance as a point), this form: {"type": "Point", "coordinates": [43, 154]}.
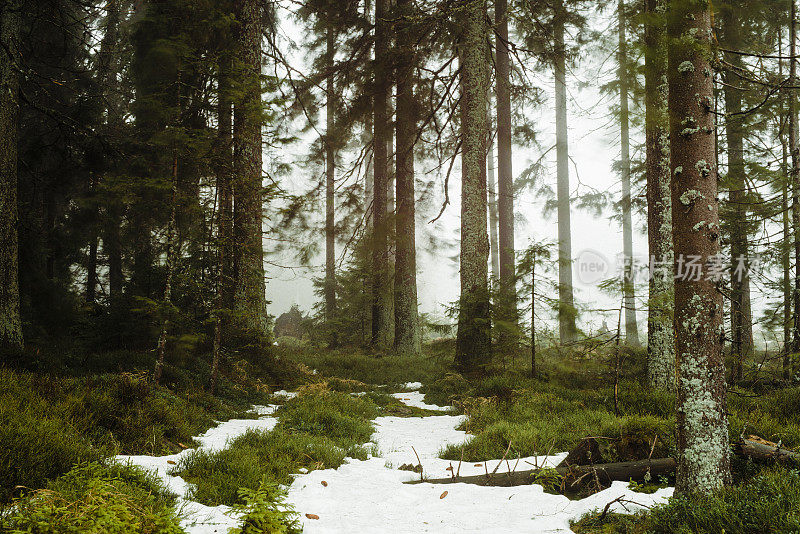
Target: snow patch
{"type": "Point", "coordinates": [417, 400]}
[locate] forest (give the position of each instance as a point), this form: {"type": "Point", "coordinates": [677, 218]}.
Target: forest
{"type": "Point", "coordinates": [326, 266]}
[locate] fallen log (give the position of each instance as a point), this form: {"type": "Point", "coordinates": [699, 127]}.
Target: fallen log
{"type": "Point", "coordinates": [760, 449]}
{"type": "Point", "coordinates": [605, 473]}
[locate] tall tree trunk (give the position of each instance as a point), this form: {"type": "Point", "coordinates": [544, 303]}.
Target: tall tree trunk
{"type": "Point", "coordinates": [330, 188]}
{"type": "Point", "coordinates": [91, 260]}
{"type": "Point", "coordinates": [505, 181]}
{"type": "Point", "coordinates": [473, 340]}
{"type": "Point", "coordinates": [250, 304]}
{"type": "Point", "coordinates": [382, 323]}
{"type": "Point", "coordinates": [534, 371]}
{"type": "Point", "coordinates": [494, 246]}
{"type": "Point", "coordinates": [566, 300]}
{"type": "Point", "coordinates": [660, 332]}
{"type": "Point", "coordinates": [704, 455]}
{"type": "Point", "coordinates": [369, 188]}
{"type": "Point", "coordinates": [631, 327]}
{"type": "Point", "coordinates": [225, 279]}
{"type": "Point", "coordinates": [10, 322]}
{"type": "Point", "coordinates": [167, 302]}
{"type": "Point", "coordinates": [741, 322]}
{"type": "Point", "coordinates": [794, 149]}
{"type": "Point", "coordinates": [406, 322]}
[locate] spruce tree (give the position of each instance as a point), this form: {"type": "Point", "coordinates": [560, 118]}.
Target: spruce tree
{"type": "Point", "coordinates": [702, 437]}
{"type": "Point", "coordinates": [473, 340]}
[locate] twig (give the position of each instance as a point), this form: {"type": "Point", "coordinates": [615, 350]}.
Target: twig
{"type": "Point", "coordinates": [419, 462]}
{"type": "Point", "coordinates": [501, 459]}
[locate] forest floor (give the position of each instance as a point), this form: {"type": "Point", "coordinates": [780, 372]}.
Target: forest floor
{"type": "Point", "coordinates": [335, 454]}
{"type": "Point", "coordinates": [370, 495]}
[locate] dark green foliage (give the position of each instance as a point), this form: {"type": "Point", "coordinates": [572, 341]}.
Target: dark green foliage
{"type": "Point", "coordinates": [49, 424]}
{"type": "Point", "coordinates": [98, 499]}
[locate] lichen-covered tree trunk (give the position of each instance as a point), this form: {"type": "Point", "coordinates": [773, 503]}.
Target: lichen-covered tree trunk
{"type": "Point", "coordinates": [566, 300]}
{"type": "Point", "coordinates": [703, 448]}
{"type": "Point", "coordinates": [382, 323]}
{"type": "Point", "coordinates": [741, 320]}
{"type": "Point", "coordinates": [505, 180]}
{"type": "Point", "coordinates": [473, 340]}
{"type": "Point", "coordinates": [330, 189]}
{"type": "Point", "coordinates": [631, 327]}
{"type": "Point", "coordinates": [660, 332]}
{"type": "Point", "coordinates": [10, 323]}
{"type": "Point", "coordinates": [250, 299]}
{"type": "Point", "coordinates": [406, 321]}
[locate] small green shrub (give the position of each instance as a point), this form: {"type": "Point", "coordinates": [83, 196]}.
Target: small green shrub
{"type": "Point", "coordinates": [265, 511]}
{"type": "Point", "coordinates": [99, 499]}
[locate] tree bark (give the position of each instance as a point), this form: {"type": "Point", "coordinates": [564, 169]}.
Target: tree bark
{"type": "Point", "coordinates": [631, 327]}
{"type": "Point", "coordinates": [566, 300]}
{"type": "Point", "coordinates": [794, 149]}
{"type": "Point", "coordinates": [330, 187]}
{"type": "Point", "coordinates": [10, 322]}
{"type": "Point", "coordinates": [225, 280]}
{"type": "Point", "coordinates": [703, 448]}
{"type": "Point", "coordinates": [473, 340]}
{"type": "Point", "coordinates": [505, 180]}
{"type": "Point", "coordinates": [741, 321]}
{"type": "Point", "coordinates": [660, 332]}
{"type": "Point", "coordinates": [250, 300]}
{"type": "Point", "coordinates": [494, 246]}
{"type": "Point", "coordinates": [167, 302]}
{"type": "Point", "coordinates": [406, 335]}
{"type": "Point", "coordinates": [787, 234]}
{"type": "Point", "coordinates": [382, 323]}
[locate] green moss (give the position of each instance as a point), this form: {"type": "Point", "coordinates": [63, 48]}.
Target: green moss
{"type": "Point", "coordinates": [96, 498]}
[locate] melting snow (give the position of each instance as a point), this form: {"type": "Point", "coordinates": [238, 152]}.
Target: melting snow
{"type": "Point", "coordinates": [370, 497]}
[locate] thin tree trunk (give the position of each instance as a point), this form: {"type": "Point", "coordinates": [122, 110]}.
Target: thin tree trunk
{"type": "Point", "coordinates": [566, 300]}
{"type": "Point", "coordinates": [406, 335]}
{"type": "Point", "coordinates": [167, 302]}
{"type": "Point", "coordinates": [505, 182]}
{"type": "Point", "coordinates": [250, 300]}
{"type": "Point", "coordinates": [108, 68]}
{"type": "Point", "coordinates": [787, 235]}
{"type": "Point", "coordinates": [534, 371]}
{"type": "Point", "coordinates": [382, 323]}
{"type": "Point", "coordinates": [660, 332]}
{"type": "Point", "coordinates": [473, 340]}
{"type": "Point", "coordinates": [631, 327]}
{"type": "Point", "coordinates": [703, 448]}
{"type": "Point", "coordinates": [741, 345]}
{"type": "Point", "coordinates": [493, 219]}
{"type": "Point", "coordinates": [794, 149]}
{"type": "Point", "coordinates": [91, 260]}
{"type": "Point", "coordinates": [225, 279]}
{"type": "Point", "coordinates": [10, 322]}
{"type": "Point", "coordinates": [330, 186]}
